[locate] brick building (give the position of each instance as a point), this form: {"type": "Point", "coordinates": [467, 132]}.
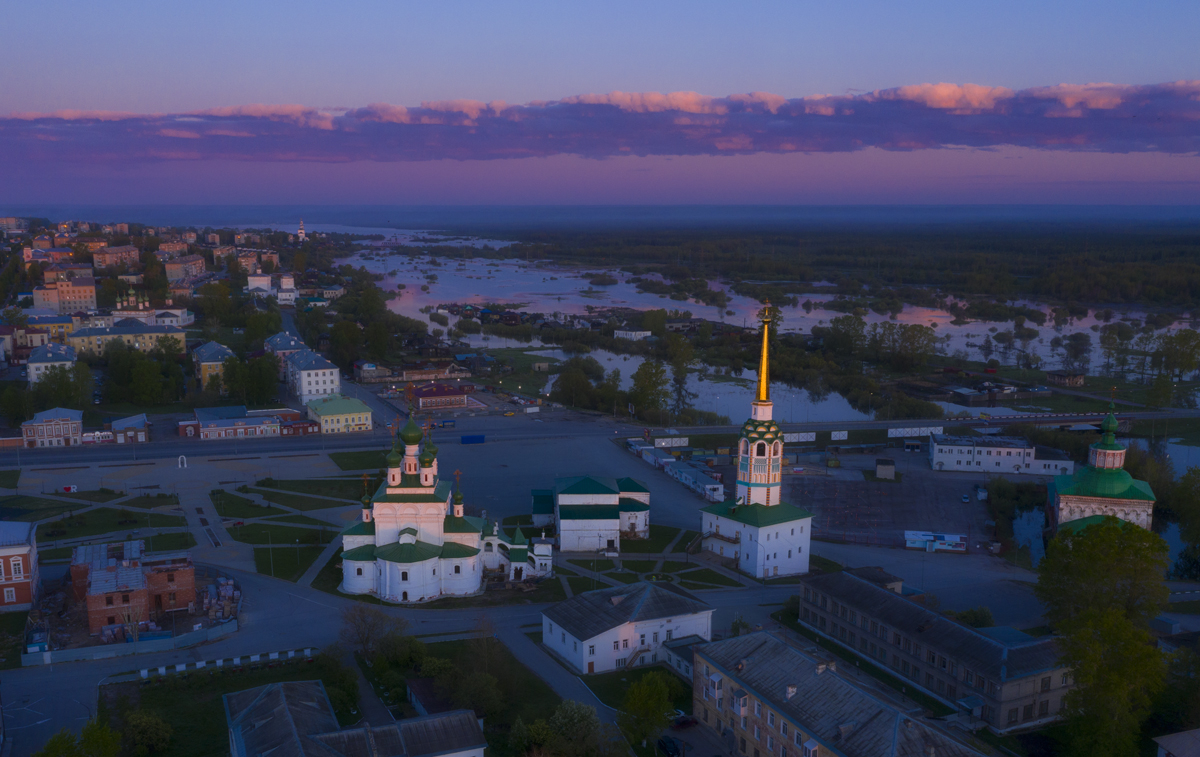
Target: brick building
{"type": "Point", "coordinates": [186, 267]}
{"type": "Point", "coordinates": [110, 256]}
{"type": "Point", "coordinates": [121, 583]}
{"type": "Point", "coordinates": [58, 427]}
{"type": "Point", "coordinates": [66, 295]}
{"type": "Point", "coordinates": [173, 249]}
{"type": "Point", "coordinates": [18, 566]}
{"type": "Point", "coordinates": [436, 395]}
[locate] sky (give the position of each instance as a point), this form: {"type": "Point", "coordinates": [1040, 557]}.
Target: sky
{"type": "Point", "coordinates": [867, 102]}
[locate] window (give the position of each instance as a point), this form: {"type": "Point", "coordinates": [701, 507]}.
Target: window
{"type": "Point", "coordinates": [932, 657]}
{"type": "Point", "coordinates": [171, 597]}
{"type": "Point", "coordinates": [968, 677]}
{"type": "Point", "coordinates": [10, 595]}
{"type": "Point", "coordinates": [743, 724]}
{"type": "Point", "coordinates": [758, 709]}
{"type": "Point", "coordinates": [655, 639]}
{"type": "Point", "coordinates": [404, 577]}
{"type": "Point", "coordinates": [771, 719]}
{"type": "Point", "coordinates": [616, 646]}
{"type": "Point", "coordinates": [1044, 708]}
{"type": "Point", "coordinates": [108, 601]}
{"type": "Point", "coordinates": [591, 650]}
{"type": "Point", "coordinates": [756, 734]}
{"type": "Point", "coordinates": [625, 645]}
{"type": "Point", "coordinates": [783, 728]}
{"type": "Point", "coordinates": [1012, 716]}
{"type": "Point", "coordinates": [643, 642]}
{"type": "Point", "coordinates": [18, 567]}
{"type": "Point", "coordinates": [668, 635]}
{"type": "Point", "coordinates": [457, 569]}
{"type": "Point", "coordinates": [896, 639]}
{"type": "Point", "coordinates": [1064, 679]}
{"type": "Point", "coordinates": [771, 743]}
{"type": "Point", "coordinates": [1027, 712]}
{"type": "Point", "coordinates": [359, 571]}
{"type": "Point", "coordinates": [124, 599]}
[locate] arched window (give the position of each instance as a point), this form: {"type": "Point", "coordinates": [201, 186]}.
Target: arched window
{"type": "Point", "coordinates": [404, 575]}
{"type": "Point", "coordinates": [761, 449]}
{"type": "Point", "coordinates": [487, 547]}
{"type": "Point", "coordinates": [744, 448]}
{"type": "Point", "coordinates": [404, 596]}
{"type": "Point", "coordinates": [776, 449]}
{"type": "Point", "coordinates": [359, 571]}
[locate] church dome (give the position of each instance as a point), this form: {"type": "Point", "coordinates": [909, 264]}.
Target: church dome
{"type": "Point", "coordinates": [761, 431]}
{"type": "Point", "coordinates": [1112, 483]}
{"type": "Point", "coordinates": [427, 457]}
{"type": "Point", "coordinates": [411, 433]}
{"type": "Point", "coordinates": [394, 458]}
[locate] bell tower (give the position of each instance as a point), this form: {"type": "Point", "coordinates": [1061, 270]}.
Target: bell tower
{"type": "Point", "coordinates": [760, 446]}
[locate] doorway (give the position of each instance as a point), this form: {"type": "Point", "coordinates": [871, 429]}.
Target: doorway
{"type": "Point", "coordinates": [591, 667]}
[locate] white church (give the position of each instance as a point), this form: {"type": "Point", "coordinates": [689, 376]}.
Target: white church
{"type": "Point", "coordinates": [415, 544]}
{"type": "Point", "coordinates": [763, 536]}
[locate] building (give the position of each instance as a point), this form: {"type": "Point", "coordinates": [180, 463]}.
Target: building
{"type": "Point", "coordinates": [231, 423]}
{"type": "Point", "coordinates": [623, 626]}
{"type": "Point", "coordinates": [43, 358]}
{"type": "Point", "coordinates": [592, 513]}
{"type": "Point", "coordinates": [222, 253]}
{"type": "Point", "coordinates": [296, 719]}
{"type": "Point", "coordinates": [339, 414]}
{"type": "Point", "coordinates": [759, 533]}
{"type": "Point", "coordinates": [367, 371]}
{"type": "Point", "coordinates": [281, 345]}
{"type": "Point", "coordinates": [58, 427]}
{"type": "Point", "coordinates": [140, 336]}
{"type": "Point", "coordinates": [132, 430]}
{"type": "Point", "coordinates": [433, 372]}
{"type": "Point", "coordinates": [1182, 744]}
{"type": "Point", "coordinates": [20, 341]}
{"type": "Point", "coordinates": [127, 255]}
{"type": "Point", "coordinates": [635, 336]}
{"type": "Point", "coordinates": [209, 360]}
{"type": "Point", "coordinates": [415, 543]}
{"type": "Point", "coordinates": [300, 236]}
{"type": "Point", "coordinates": [66, 271]}
{"type": "Point", "coordinates": [996, 454]}
{"type": "Point", "coordinates": [1102, 487]}
{"type": "Point", "coordinates": [1008, 679]}
{"type": "Point", "coordinates": [759, 693]}
{"type": "Point", "coordinates": [18, 566]}
{"type": "Point", "coordinates": [123, 585]}
{"type": "Point", "coordinates": [1065, 378]}
{"type": "Point", "coordinates": [66, 295]}
{"type": "Point", "coordinates": [310, 376]}
{"type": "Point", "coordinates": [186, 267]}
{"type": "Point", "coordinates": [172, 249]}
{"type": "Point", "coordinates": [332, 291]}
{"type": "Point", "coordinates": [436, 395]}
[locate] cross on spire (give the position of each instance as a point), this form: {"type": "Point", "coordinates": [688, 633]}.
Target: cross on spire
{"type": "Point", "coordinates": [457, 477]}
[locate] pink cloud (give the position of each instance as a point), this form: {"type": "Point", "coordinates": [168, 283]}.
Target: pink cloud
{"type": "Point", "coordinates": [963, 98]}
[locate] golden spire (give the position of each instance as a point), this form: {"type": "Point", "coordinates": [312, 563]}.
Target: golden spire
{"type": "Point", "coordinates": [764, 379]}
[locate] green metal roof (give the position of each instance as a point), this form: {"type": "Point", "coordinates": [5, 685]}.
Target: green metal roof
{"type": "Point", "coordinates": [761, 431]}
{"type": "Point", "coordinates": [365, 553]}
{"type": "Point", "coordinates": [757, 515]}
{"type": "Point", "coordinates": [408, 553]}
{"type": "Point", "coordinates": [464, 525]}
{"type": "Point", "coordinates": [586, 485]}
{"type": "Point", "coordinates": [360, 529]}
{"type": "Point", "coordinates": [631, 485]}
{"type": "Point", "coordinates": [439, 493]}
{"type": "Point", "coordinates": [453, 551]}
{"type": "Point", "coordinates": [410, 530]}
{"type": "Point", "coordinates": [632, 506]}
{"type": "Point", "coordinates": [337, 404]}
{"type": "Point", "coordinates": [1103, 484]}
{"type": "Point", "coordinates": [543, 501]}
{"type": "Point", "coordinates": [589, 512]}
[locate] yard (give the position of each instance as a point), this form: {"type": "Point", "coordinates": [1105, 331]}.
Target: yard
{"type": "Point", "coordinates": [341, 488]}
{"type": "Point", "coordinates": [297, 501]}
{"type": "Point", "coordinates": [232, 506]}
{"type": "Point", "coordinates": [362, 460]}
{"type": "Point", "coordinates": [288, 563]}
{"type": "Point", "coordinates": [9, 478]}
{"type": "Point", "coordinates": [708, 576]}
{"type": "Point", "coordinates": [271, 534]}
{"type": "Point", "coordinates": [25, 508]}
{"type": "Point", "coordinates": [660, 537]}
{"type": "Point", "coordinates": [104, 520]}
{"type": "Point", "coordinates": [684, 541]}
{"type": "Point", "coordinates": [100, 495]}
{"type": "Point", "coordinates": [610, 688]}
{"type": "Point", "coordinates": [150, 501]}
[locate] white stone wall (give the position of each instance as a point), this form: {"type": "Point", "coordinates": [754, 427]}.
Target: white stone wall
{"type": "Point", "coordinates": [419, 581]}
{"type": "Point", "coordinates": [1136, 511]}
{"type": "Point", "coordinates": [628, 639]}
{"type": "Point", "coordinates": [780, 550]}
{"type": "Point", "coordinates": [354, 582]}
{"type": "Point", "coordinates": [466, 581]}
{"type": "Point", "coordinates": [640, 522]}
{"type": "Point", "coordinates": [588, 535]}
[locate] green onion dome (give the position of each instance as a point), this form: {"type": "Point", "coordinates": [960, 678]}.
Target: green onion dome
{"type": "Point", "coordinates": [411, 433]}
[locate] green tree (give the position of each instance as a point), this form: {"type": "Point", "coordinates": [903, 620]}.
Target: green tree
{"type": "Point", "coordinates": [644, 710]}
{"type": "Point", "coordinates": [1161, 391]}
{"type": "Point", "coordinates": [1185, 501]}
{"type": "Point", "coordinates": [147, 383]}
{"type": "Point", "coordinates": [649, 390]}
{"type": "Point", "coordinates": [64, 743]}
{"type": "Point", "coordinates": [14, 403]}
{"type": "Point", "coordinates": [775, 314]}
{"type": "Point", "coordinates": [345, 341]}
{"type": "Point", "coordinates": [576, 731]}
{"type": "Point", "coordinates": [147, 732]}
{"type": "Point", "coordinates": [96, 739]}
{"type": "Point", "coordinates": [379, 339]}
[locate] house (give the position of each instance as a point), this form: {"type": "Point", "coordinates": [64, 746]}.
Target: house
{"type": "Point", "coordinates": [635, 336]}
{"type": "Point", "coordinates": [66, 295]}
{"type": "Point", "coordinates": [594, 512]}
{"type": "Point", "coordinates": [57, 427]}
{"type": "Point", "coordinates": [435, 395]}
{"type": "Point", "coordinates": [367, 371]}
{"type": "Point", "coordinates": [296, 719]}
{"type": "Point", "coordinates": [996, 454]}
{"type": "Point", "coordinates": [756, 531]}
{"type": "Point", "coordinates": [1002, 676]}
{"type": "Point", "coordinates": [1066, 378]}
{"type": "Point", "coordinates": [169, 250]}
{"type": "Point", "coordinates": [110, 256]}
{"type": "Point", "coordinates": [43, 358]}
{"type": "Point", "coordinates": [622, 626]}
{"type": "Point", "coordinates": [339, 414]}
{"type": "Point", "coordinates": [209, 360]}
{"type": "Point", "coordinates": [140, 336]}
{"type": "Point", "coordinates": [332, 291]}
{"type": "Point", "coordinates": [186, 267]}
{"type": "Point", "coordinates": [66, 271]}
{"type": "Point", "coordinates": [230, 423]}
{"type": "Point", "coordinates": [281, 345]}
{"type": "Point", "coordinates": [433, 372]}
{"type": "Point", "coordinates": [310, 376]}
{"type": "Point", "coordinates": [1182, 744]}
{"type": "Point", "coordinates": [123, 585]}
{"type": "Point", "coordinates": [132, 430]}
{"type": "Point", "coordinates": [59, 326]}
{"type": "Point", "coordinates": [1102, 487]}
{"type": "Point", "coordinates": [757, 692]}
{"type": "Point", "coordinates": [18, 566]}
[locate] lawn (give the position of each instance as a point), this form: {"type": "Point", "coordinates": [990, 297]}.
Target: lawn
{"type": "Point", "coordinates": [638, 566]}
{"type": "Point", "coordinates": [580, 584]}
{"type": "Point", "coordinates": [149, 501]}
{"type": "Point", "coordinates": [670, 566]}
{"type": "Point", "coordinates": [596, 565]}
{"type": "Point", "coordinates": [105, 520]}
{"type": "Point", "coordinates": [303, 520]}
{"type": "Point", "coordinates": [25, 508]}
{"type": "Point", "coordinates": [271, 534]}
{"type": "Point", "coordinates": [610, 688]}
{"type": "Point", "coordinates": [548, 590]}
{"type": "Point", "coordinates": [287, 563]}
{"type": "Point", "coordinates": [9, 478]}
{"type": "Point", "coordinates": [362, 460]}
{"type": "Point", "coordinates": [660, 537]}
{"type": "Point", "coordinates": [561, 571]}
{"type": "Point", "coordinates": [341, 488]}
{"type": "Point", "coordinates": [100, 495]}
{"type": "Point", "coordinates": [824, 564]}
{"type": "Point", "coordinates": [693, 586]}
{"type": "Point", "coordinates": [684, 541]}
{"type": "Point", "coordinates": [625, 578]}
{"type": "Point", "coordinates": [297, 501]}
{"type": "Point", "coordinates": [232, 506]}
{"type": "Point", "coordinates": [192, 705]}
{"type": "Point", "coordinates": [708, 576]}
{"type": "Point", "coordinates": [12, 638]}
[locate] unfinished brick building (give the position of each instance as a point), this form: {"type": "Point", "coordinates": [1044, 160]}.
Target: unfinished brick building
{"type": "Point", "coordinates": [121, 584]}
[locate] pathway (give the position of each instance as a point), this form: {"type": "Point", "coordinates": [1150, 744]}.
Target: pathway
{"type": "Point", "coordinates": [566, 684]}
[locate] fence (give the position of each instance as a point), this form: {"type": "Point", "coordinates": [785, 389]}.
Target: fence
{"type": "Point", "coordinates": [271, 658]}
{"type": "Point", "coordinates": [109, 651]}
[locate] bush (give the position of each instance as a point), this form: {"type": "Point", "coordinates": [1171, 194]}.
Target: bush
{"type": "Point", "coordinates": [147, 732]}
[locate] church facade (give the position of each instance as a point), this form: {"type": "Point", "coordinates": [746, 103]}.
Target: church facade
{"type": "Point", "coordinates": [414, 542]}
{"type": "Point", "coordinates": [1103, 487]}
{"type": "Point", "coordinates": [762, 534]}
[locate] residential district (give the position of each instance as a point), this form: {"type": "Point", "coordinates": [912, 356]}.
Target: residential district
{"type": "Point", "coordinates": [241, 492]}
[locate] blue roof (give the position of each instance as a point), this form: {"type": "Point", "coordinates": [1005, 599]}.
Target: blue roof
{"type": "Point", "coordinates": [220, 413]}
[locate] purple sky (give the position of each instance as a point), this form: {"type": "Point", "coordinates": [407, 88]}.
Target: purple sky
{"type": "Point", "coordinates": [484, 103]}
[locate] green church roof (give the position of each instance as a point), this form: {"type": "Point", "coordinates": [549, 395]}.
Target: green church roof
{"type": "Point", "coordinates": [464, 525]}
{"type": "Point", "coordinates": [365, 553]}
{"type": "Point", "coordinates": [453, 551]}
{"type": "Point", "coordinates": [408, 553]}
{"type": "Point", "coordinates": [439, 493]}
{"type": "Point", "coordinates": [1113, 483]}
{"type": "Point", "coordinates": [589, 512]}
{"type": "Point", "coordinates": [632, 485]}
{"type": "Point", "coordinates": [755, 515]}
{"type": "Point", "coordinates": [632, 506]}
{"type": "Point", "coordinates": [761, 431]}
{"type": "Point", "coordinates": [543, 501]}
{"type": "Point", "coordinates": [586, 485]}
{"type": "Point", "coordinates": [411, 433]}
{"type": "Point", "coordinates": [360, 529]}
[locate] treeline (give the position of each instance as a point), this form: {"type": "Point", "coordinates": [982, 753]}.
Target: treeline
{"type": "Point", "coordinates": [359, 324]}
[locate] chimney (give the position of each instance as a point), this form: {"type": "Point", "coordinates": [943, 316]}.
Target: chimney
{"type": "Point", "coordinates": [820, 668]}
{"type": "Point", "coordinates": [791, 691]}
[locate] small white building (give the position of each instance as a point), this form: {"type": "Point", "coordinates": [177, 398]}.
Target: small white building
{"type": "Point", "coordinates": [47, 356]}
{"type": "Point", "coordinates": [310, 376]}
{"type": "Point", "coordinates": [996, 454]}
{"type": "Point", "coordinates": [623, 626]}
{"type": "Point", "coordinates": [594, 513]}
{"type": "Point", "coordinates": [635, 336]}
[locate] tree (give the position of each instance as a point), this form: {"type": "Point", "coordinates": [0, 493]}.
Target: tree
{"type": "Point", "coordinates": [1161, 391]}
{"type": "Point", "coordinates": [576, 731]}
{"type": "Point", "coordinates": [776, 316]}
{"type": "Point", "coordinates": [1185, 501]}
{"type": "Point", "coordinates": [345, 340]}
{"type": "Point", "coordinates": [98, 740]}
{"type": "Point", "coordinates": [976, 617]}
{"type": "Point", "coordinates": [15, 316]}
{"type": "Point", "coordinates": [62, 744]}
{"type": "Point", "coordinates": [14, 403]}
{"type": "Point", "coordinates": [364, 627]}
{"type": "Point", "coordinates": [147, 732]}
{"type": "Point", "coordinates": [644, 710]}
{"type": "Point", "coordinates": [649, 390]}
{"type": "Point", "coordinates": [147, 383]}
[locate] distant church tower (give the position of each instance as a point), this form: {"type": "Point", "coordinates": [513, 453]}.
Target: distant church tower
{"type": "Point", "coordinates": [300, 234]}
{"type": "Point", "coordinates": [760, 448]}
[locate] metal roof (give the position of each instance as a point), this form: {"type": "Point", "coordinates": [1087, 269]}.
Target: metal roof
{"type": "Point", "coordinates": [591, 613]}
{"type": "Point", "coordinates": [212, 352]}
{"type": "Point", "coordinates": [338, 404]}
{"type": "Point", "coordinates": [757, 515]}
{"type": "Point", "coordinates": [57, 413]}
{"type": "Point", "coordinates": [52, 353]}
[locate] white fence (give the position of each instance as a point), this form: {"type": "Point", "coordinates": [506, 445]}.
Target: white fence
{"type": "Point", "coordinates": [109, 651]}
{"type": "Point", "coordinates": [913, 432]}
{"type": "Point", "coordinates": [807, 436]}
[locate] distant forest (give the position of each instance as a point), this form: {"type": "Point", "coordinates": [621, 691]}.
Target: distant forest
{"type": "Point", "coordinates": [1140, 265]}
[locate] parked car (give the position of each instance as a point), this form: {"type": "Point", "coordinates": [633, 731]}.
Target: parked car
{"type": "Point", "coordinates": [966, 497]}
{"type": "Point", "coordinates": [683, 721]}
{"type": "Point", "coordinates": [668, 746]}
